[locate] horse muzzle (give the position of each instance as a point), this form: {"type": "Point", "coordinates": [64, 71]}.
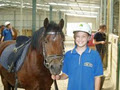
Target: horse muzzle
{"type": "Point", "coordinates": [54, 64]}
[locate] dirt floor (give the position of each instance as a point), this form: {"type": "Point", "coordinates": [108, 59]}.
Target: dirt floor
{"type": "Point", "coordinates": [62, 85]}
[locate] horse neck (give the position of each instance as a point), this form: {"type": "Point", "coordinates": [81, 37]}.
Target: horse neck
{"type": "Point", "coordinates": [35, 57]}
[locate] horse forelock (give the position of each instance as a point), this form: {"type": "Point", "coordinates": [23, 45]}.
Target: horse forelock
{"type": "Point", "coordinates": [40, 34]}
{"type": "Point", "coordinates": [53, 27]}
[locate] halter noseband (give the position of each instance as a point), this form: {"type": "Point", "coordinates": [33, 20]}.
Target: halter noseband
{"type": "Point", "coordinates": [48, 59]}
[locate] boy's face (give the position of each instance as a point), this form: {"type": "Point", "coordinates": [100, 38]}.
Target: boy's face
{"type": "Point", "coordinates": [9, 26]}
{"type": "Point", "coordinates": [81, 38]}
{"type": "Point", "coordinates": [104, 29]}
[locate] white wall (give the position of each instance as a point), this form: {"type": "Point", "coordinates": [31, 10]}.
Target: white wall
{"type": "Point", "coordinates": [13, 15]}
{"type": "Point", "coordinates": [72, 19]}
{"type": "Point", "coordinates": [113, 58]}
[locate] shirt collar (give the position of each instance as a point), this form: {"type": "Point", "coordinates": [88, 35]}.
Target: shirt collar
{"type": "Point", "coordinates": [86, 51]}
{"type": "Point", "coordinates": [6, 29]}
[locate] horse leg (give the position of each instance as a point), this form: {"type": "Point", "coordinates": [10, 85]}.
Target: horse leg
{"type": "Point", "coordinates": [12, 88]}
{"type": "Point", "coordinates": [38, 88]}
{"type": "Point", "coordinates": [5, 84]}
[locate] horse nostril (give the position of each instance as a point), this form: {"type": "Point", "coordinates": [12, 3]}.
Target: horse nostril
{"type": "Point", "coordinates": [51, 67]}
{"type": "Point", "coordinates": [60, 66]}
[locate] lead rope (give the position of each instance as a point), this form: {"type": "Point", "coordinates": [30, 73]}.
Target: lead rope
{"type": "Point", "coordinates": [55, 82]}
{"type": "Point", "coordinates": [55, 85]}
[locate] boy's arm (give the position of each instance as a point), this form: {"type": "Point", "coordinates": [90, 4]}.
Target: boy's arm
{"type": "Point", "coordinates": [2, 38]}
{"type": "Point", "coordinates": [97, 82]}
{"type": "Point", "coordinates": [98, 42]}
{"type": "Point", "coordinates": [98, 74]}
{"type": "Point", "coordinates": [12, 32]}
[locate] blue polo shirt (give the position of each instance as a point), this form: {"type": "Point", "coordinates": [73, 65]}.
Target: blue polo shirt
{"type": "Point", "coordinates": [7, 34]}
{"type": "Point", "coordinates": [82, 69]}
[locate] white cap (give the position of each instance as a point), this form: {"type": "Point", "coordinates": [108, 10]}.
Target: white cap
{"type": "Point", "coordinates": [6, 23]}
{"type": "Point", "coordinates": [84, 27]}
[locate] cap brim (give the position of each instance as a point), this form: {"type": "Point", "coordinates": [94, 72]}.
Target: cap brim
{"type": "Point", "coordinates": [81, 31]}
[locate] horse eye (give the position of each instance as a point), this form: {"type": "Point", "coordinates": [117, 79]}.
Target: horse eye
{"type": "Point", "coordinates": [45, 41]}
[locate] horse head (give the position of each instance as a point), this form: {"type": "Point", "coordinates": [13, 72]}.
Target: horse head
{"type": "Point", "coordinates": [50, 43]}
{"type": "Point", "coordinates": [53, 46]}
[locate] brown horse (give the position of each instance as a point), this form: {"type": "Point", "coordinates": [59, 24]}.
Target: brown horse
{"type": "Point", "coordinates": [44, 57]}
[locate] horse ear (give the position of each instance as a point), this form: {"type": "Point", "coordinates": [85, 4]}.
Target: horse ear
{"type": "Point", "coordinates": [61, 23]}
{"type": "Point", "coordinates": [46, 22]}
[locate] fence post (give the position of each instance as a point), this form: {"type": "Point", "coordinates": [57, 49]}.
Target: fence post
{"type": "Point", "coordinates": [118, 75]}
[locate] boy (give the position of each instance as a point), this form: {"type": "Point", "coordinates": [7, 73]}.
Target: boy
{"type": "Point", "coordinates": [100, 40]}
{"type": "Point", "coordinates": [7, 32]}
{"type": "Point", "coordinates": [82, 65]}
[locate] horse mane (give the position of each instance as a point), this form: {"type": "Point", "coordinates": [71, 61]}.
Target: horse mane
{"type": "Point", "coordinates": [39, 35]}
{"type": "Point", "coordinates": [36, 37]}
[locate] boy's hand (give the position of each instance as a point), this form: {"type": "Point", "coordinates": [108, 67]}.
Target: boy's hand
{"type": "Point", "coordinates": [10, 26]}
{"type": "Point", "coordinates": [102, 42]}
{"type": "Point", "coordinates": [55, 77]}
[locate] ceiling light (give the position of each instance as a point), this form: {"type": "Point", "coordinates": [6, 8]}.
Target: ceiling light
{"type": "Point", "coordinates": [42, 5]}
{"type": "Point", "coordinates": [78, 11]}
{"type": "Point", "coordinates": [2, 4]}
{"type": "Point", "coordinates": [90, 16]}
{"type": "Point", "coordinates": [74, 5]}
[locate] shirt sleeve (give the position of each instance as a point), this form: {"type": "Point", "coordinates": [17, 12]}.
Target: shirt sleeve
{"type": "Point", "coordinates": [98, 71]}
{"type": "Point", "coordinates": [3, 33]}
{"type": "Point", "coordinates": [65, 68]}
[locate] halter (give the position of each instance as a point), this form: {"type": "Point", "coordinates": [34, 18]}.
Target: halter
{"type": "Point", "coordinates": [48, 59]}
